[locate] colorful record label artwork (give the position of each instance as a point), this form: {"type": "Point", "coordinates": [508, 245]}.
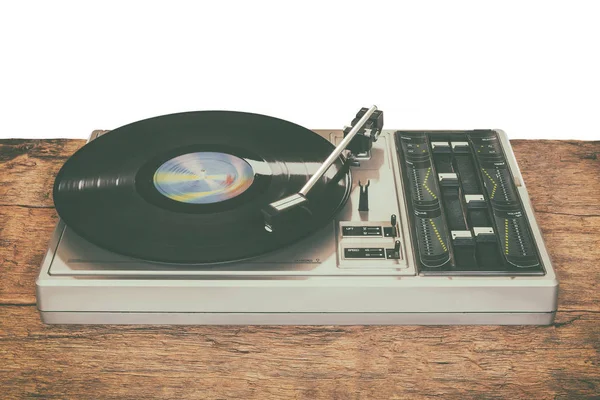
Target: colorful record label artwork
{"type": "Point", "coordinates": [203, 177]}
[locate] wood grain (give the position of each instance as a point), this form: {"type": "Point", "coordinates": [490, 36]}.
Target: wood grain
{"type": "Point", "coordinates": [115, 362]}
{"type": "Point", "coordinates": [303, 362]}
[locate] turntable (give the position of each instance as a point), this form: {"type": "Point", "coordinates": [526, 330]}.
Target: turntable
{"type": "Point", "coordinates": [222, 217]}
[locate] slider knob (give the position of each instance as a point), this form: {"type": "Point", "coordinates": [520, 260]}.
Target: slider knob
{"type": "Point", "coordinates": [393, 222]}
{"type": "Point", "coordinates": [363, 201]}
{"type": "Point", "coordinates": [396, 254]}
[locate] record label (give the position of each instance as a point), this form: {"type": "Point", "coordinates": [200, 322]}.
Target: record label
{"type": "Point", "coordinates": [203, 177]}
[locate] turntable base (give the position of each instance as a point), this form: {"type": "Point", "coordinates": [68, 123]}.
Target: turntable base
{"type": "Point", "coordinates": [306, 362]}
{"type": "Point", "coordinates": [334, 276]}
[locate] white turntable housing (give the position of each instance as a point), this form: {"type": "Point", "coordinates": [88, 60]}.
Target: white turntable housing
{"type": "Point", "coordinates": [327, 278]}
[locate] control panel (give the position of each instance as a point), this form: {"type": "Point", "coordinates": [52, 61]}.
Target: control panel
{"type": "Point", "coordinates": [467, 217]}
{"type": "Point", "coordinates": [369, 228]}
{"type": "Point", "coordinates": [371, 244]}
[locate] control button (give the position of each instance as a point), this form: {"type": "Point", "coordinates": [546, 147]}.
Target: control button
{"type": "Point", "coordinates": [364, 253]}
{"type": "Point", "coordinates": [361, 230]}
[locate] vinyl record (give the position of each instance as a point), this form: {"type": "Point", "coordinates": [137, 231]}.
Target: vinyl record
{"type": "Point", "coordinates": [189, 188]}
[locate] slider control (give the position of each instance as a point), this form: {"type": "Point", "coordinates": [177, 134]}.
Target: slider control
{"type": "Point", "coordinates": [460, 147]}
{"type": "Point", "coordinates": [475, 201]}
{"type": "Point", "coordinates": [440, 147]}
{"type": "Point", "coordinates": [393, 254]}
{"type": "Point", "coordinates": [448, 179]}
{"type": "Point", "coordinates": [396, 251]}
{"type": "Point", "coordinates": [462, 238]}
{"type": "Point", "coordinates": [484, 234]}
{"type": "Point", "coordinates": [392, 230]}
{"type": "Point", "coordinates": [363, 200]}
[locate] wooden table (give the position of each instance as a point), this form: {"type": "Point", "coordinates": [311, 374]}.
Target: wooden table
{"type": "Point", "coordinates": [106, 362]}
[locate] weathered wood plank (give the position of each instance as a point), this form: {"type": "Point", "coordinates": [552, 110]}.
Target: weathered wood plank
{"type": "Point", "coordinates": [302, 362]}
{"type": "Point", "coordinates": [561, 176]}
{"type": "Point", "coordinates": [29, 167]}
{"type": "Point", "coordinates": [24, 236]}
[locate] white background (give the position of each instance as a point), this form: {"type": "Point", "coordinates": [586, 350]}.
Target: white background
{"type": "Point", "coordinates": [529, 67]}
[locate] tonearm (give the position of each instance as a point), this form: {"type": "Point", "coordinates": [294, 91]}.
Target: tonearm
{"type": "Point", "coordinates": [358, 140]}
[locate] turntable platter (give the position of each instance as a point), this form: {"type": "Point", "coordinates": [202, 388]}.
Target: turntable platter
{"type": "Point", "coordinates": [189, 188]}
